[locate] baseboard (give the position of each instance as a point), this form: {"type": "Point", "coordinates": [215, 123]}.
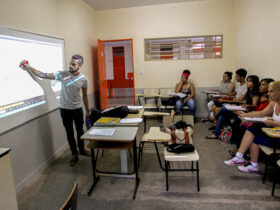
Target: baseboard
{"type": "Point", "coordinates": [39, 169]}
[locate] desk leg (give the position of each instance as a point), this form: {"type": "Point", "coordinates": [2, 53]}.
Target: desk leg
{"type": "Point", "coordinates": [137, 180]}
{"type": "Point", "coordinates": [145, 123]}
{"type": "Point", "coordinates": [159, 160]}
{"type": "Point", "coordinates": [95, 178]}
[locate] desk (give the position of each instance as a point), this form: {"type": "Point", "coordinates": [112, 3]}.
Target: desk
{"type": "Point", "coordinates": [123, 153]}
{"type": "Point", "coordinates": [271, 133]}
{"type": "Point", "coordinates": [155, 135]}
{"type": "Point", "coordinates": [148, 114]}
{"type": "Point", "coordinates": [8, 198]}
{"type": "Point", "coordinates": [122, 134]}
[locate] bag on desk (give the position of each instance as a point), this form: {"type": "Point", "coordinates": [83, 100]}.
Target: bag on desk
{"type": "Point", "coordinates": [180, 148]}
{"type": "Point", "coordinates": [119, 111]}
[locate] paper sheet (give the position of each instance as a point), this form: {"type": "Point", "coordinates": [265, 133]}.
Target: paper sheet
{"type": "Point", "coordinates": [254, 119]}
{"type": "Point", "coordinates": [234, 107]}
{"type": "Point", "coordinates": [181, 95]}
{"type": "Point", "coordinates": [135, 107]}
{"type": "Point", "coordinates": [102, 132]}
{"type": "Point", "coordinates": [131, 120]}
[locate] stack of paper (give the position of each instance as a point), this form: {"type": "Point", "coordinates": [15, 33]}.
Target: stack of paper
{"type": "Point", "coordinates": [135, 107]}
{"type": "Point", "coordinates": [131, 120]}
{"type": "Point", "coordinates": [234, 107]}
{"type": "Point", "coordinates": [254, 119]}
{"type": "Point", "coordinates": [181, 95]}
{"type": "Point", "coordinates": [102, 132]}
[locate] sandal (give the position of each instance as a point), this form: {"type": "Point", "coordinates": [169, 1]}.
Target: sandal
{"type": "Point", "coordinates": [206, 119]}
{"type": "Point", "coordinates": [211, 137]}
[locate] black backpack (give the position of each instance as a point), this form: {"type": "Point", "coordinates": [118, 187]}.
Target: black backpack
{"type": "Point", "coordinates": [119, 111]}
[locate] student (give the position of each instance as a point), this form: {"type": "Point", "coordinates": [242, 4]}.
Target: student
{"type": "Point", "coordinates": [72, 82]}
{"type": "Point", "coordinates": [224, 89]}
{"type": "Point", "coordinates": [254, 134]}
{"type": "Point", "coordinates": [186, 87]}
{"type": "Point", "coordinates": [240, 88]}
{"type": "Point", "coordinates": [251, 101]}
{"type": "Point", "coordinates": [238, 129]}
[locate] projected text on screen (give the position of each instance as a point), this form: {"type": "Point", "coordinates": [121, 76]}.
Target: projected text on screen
{"type": "Point", "coordinates": [19, 91]}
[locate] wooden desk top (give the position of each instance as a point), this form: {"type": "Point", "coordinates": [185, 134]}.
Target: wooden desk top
{"type": "Point", "coordinates": [156, 135]}
{"type": "Point", "coordinates": [271, 133]}
{"type": "Point", "coordinates": [155, 114]}
{"type": "Point", "coordinates": [4, 151]}
{"type": "Point", "coordinates": [122, 134]}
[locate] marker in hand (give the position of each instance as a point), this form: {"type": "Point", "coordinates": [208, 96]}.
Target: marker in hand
{"type": "Point", "coordinates": [23, 63]}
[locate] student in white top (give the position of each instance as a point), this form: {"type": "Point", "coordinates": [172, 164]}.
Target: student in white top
{"type": "Point", "coordinates": [254, 135]}
{"type": "Point", "coordinates": [225, 88]}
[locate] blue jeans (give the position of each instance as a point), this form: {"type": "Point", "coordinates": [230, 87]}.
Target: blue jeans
{"type": "Point", "coordinates": [190, 103]}
{"type": "Point", "coordinates": [223, 116]}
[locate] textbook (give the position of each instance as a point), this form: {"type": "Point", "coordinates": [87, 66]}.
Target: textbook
{"type": "Point", "coordinates": [107, 120]}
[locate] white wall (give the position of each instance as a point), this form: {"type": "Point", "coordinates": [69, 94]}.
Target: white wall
{"type": "Point", "coordinates": [35, 143]}
{"type": "Point", "coordinates": [257, 37]}
{"type": "Point", "coordinates": [210, 17]}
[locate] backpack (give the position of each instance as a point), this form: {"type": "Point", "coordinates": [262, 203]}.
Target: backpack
{"type": "Point", "coordinates": [226, 134]}
{"type": "Point", "coordinates": [119, 111]}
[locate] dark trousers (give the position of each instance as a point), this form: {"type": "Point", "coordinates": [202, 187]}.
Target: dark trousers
{"type": "Point", "coordinates": [68, 117]}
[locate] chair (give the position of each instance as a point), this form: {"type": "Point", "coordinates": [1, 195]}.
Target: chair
{"type": "Point", "coordinates": [170, 157]}
{"type": "Point", "coordinates": [272, 159]}
{"type": "Point", "coordinates": [149, 93]}
{"type": "Point", "coordinates": [164, 95]}
{"type": "Point", "coordinates": [71, 202]}
{"type": "Point", "coordinates": [277, 174]}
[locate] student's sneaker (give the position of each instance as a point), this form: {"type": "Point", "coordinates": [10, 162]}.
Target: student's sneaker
{"type": "Point", "coordinates": [235, 161]}
{"type": "Point", "coordinates": [248, 168]}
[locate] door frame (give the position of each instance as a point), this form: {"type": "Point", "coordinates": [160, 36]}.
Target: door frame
{"type": "Point", "coordinates": [103, 84]}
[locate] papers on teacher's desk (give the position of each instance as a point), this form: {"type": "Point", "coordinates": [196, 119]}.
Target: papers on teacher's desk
{"type": "Point", "coordinates": [102, 132]}
{"type": "Point", "coordinates": [181, 95]}
{"type": "Point", "coordinates": [234, 107]}
{"type": "Point", "coordinates": [135, 107]}
{"type": "Point", "coordinates": [131, 120]}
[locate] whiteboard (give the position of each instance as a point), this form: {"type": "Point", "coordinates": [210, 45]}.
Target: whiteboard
{"type": "Point", "coordinates": [23, 96]}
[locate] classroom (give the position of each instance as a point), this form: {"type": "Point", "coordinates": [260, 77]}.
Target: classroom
{"type": "Point", "coordinates": [250, 39]}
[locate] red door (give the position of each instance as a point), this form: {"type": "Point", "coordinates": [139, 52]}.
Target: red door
{"type": "Point", "coordinates": [102, 75]}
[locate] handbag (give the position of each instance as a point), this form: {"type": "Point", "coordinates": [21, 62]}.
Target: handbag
{"type": "Point", "coordinates": [180, 148]}
{"type": "Point", "coordinates": [226, 134]}
{"type": "Point", "coordinates": [180, 131]}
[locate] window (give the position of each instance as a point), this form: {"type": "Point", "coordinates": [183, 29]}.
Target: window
{"type": "Point", "coordinates": [185, 48]}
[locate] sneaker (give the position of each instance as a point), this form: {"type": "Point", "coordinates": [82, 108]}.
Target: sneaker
{"type": "Point", "coordinates": [235, 161]}
{"type": "Point", "coordinates": [248, 168]}
{"type": "Point", "coordinates": [74, 160]}
{"type": "Point", "coordinates": [85, 153]}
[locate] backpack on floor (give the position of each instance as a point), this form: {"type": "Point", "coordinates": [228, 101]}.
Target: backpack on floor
{"type": "Point", "coordinates": [226, 134]}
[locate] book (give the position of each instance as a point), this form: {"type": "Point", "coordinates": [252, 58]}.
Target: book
{"type": "Point", "coordinates": [107, 120]}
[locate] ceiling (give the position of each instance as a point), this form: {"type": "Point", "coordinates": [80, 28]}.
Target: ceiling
{"type": "Point", "coordinates": [118, 4]}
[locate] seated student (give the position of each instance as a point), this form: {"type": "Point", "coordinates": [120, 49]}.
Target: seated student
{"type": "Point", "coordinates": [240, 90]}
{"type": "Point", "coordinates": [238, 129]}
{"type": "Point", "coordinates": [224, 89]}
{"type": "Point", "coordinates": [251, 100]}
{"type": "Point", "coordinates": [186, 87]}
{"type": "Point", "coordinates": [254, 134]}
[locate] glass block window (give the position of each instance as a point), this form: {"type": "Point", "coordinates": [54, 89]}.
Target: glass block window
{"type": "Point", "coordinates": [184, 48]}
